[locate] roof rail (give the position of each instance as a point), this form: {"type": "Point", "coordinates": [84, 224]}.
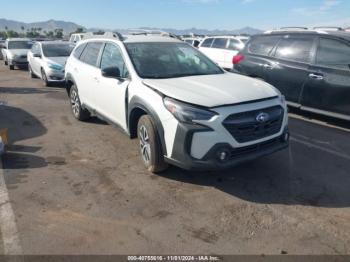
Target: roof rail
{"type": "Point", "coordinates": [329, 28]}
{"type": "Point", "coordinates": [293, 28]}
{"type": "Point", "coordinates": [151, 32]}
{"type": "Point", "coordinates": [112, 35]}
{"type": "Point", "coordinates": [296, 29]}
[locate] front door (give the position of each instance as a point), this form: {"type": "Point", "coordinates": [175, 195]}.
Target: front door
{"type": "Point", "coordinates": [111, 94]}
{"type": "Point", "coordinates": [328, 85]}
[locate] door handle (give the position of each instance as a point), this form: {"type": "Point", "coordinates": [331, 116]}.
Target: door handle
{"type": "Point", "coordinates": [97, 79]}
{"type": "Point", "coordinates": [316, 76]}
{"type": "Point", "coordinates": [267, 66]}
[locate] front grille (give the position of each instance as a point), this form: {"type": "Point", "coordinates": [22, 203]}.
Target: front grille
{"type": "Point", "coordinates": [245, 127]}
{"type": "Point", "coordinates": [248, 150]}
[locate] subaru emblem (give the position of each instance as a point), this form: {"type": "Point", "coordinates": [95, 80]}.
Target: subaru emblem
{"type": "Point", "coordinates": [262, 117]}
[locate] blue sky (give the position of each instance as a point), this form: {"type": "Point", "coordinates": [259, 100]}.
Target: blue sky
{"type": "Point", "coordinates": [180, 14]}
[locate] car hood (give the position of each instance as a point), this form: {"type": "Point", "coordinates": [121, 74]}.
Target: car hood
{"type": "Point", "coordinates": [213, 90]}
{"type": "Point", "coordinates": [18, 52]}
{"type": "Point", "coordinates": [57, 60]}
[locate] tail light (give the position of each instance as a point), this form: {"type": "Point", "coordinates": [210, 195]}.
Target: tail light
{"type": "Point", "coordinates": [237, 59]}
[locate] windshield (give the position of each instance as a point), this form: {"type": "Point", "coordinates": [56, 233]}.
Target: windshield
{"type": "Point", "coordinates": [169, 60]}
{"type": "Point", "coordinates": [53, 50]}
{"type": "Point", "coordinates": [19, 45]}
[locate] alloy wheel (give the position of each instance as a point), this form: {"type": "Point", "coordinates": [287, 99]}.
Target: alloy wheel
{"type": "Point", "coordinates": [145, 146]}
{"type": "Point", "coordinates": [75, 103]}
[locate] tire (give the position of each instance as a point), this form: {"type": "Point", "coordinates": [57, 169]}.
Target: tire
{"type": "Point", "coordinates": [78, 112]}
{"type": "Point", "coordinates": [5, 62]}
{"type": "Point", "coordinates": [32, 75]}
{"type": "Point", "coordinates": [12, 67]}
{"type": "Point", "coordinates": [44, 78]}
{"type": "Point", "coordinates": [150, 146]}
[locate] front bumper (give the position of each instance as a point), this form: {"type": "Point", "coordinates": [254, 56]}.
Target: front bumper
{"type": "Point", "coordinates": [21, 62]}
{"type": "Point", "coordinates": [55, 75]}
{"type": "Point", "coordinates": [181, 155]}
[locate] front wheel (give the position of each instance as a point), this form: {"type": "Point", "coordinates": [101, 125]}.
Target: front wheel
{"type": "Point", "coordinates": [31, 73]}
{"type": "Point", "coordinates": [44, 78]}
{"type": "Point", "coordinates": [150, 147]}
{"type": "Point", "coordinates": [77, 110]}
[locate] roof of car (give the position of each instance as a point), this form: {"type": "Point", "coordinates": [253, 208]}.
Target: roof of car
{"type": "Point", "coordinates": [341, 34]}
{"type": "Point", "coordinates": [224, 36]}
{"type": "Point", "coordinates": [149, 38]}
{"type": "Point", "coordinates": [18, 39]}
{"type": "Point", "coordinates": [137, 39]}
{"type": "Point", "coordinates": [55, 43]}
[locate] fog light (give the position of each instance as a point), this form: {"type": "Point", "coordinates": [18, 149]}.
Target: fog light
{"type": "Point", "coordinates": [223, 155]}
{"type": "Point", "coordinates": [286, 137]}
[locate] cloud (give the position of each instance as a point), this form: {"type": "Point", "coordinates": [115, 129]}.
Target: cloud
{"type": "Point", "coordinates": [324, 8]}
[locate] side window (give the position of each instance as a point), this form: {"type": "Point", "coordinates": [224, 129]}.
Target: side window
{"type": "Point", "coordinates": [112, 57]}
{"type": "Point", "coordinates": [196, 43]}
{"type": "Point", "coordinates": [91, 52]}
{"type": "Point", "coordinates": [207, 42]}
{"type": "Point", "coordinates": [34, 49]}
{"type": "Point", "coordinates": [333, 53]}
{"type": "Point", "coordinates": [296, 49]}
{"type": "Point", "coordinates": [262, 45]}
{"type": "Point", "coordinates": [234, 45]}
{"type": "Point", "coordinates": [77, 52]}
{"type": "Point", "coordinates": [220, 43]}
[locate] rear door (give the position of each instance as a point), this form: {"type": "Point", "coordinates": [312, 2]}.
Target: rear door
{"type": "Point", "coordinates": [218, 51]}
{"type": "Point", "coordinates": [328, 85]}
{"type": "Point", "coordinates": [233, 47]}
{"type": "Point", "coordinates": [205, 47]}
{"type": "Point", "coordinates": [289, 70]}
{"type": "Point", "coordinates": [257, 53]}
{"type": "Point", "coordinates": [87, 72]}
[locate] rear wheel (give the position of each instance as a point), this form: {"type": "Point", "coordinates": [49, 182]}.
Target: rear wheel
{"type": "Point", "coordinates": [12, 67]}
{"type": "Point", "coordinates": [5, 61]}
{"type": "Point", "coordinates": [77, 110]}
{"type": "Point", "coordinates": [150, 146]}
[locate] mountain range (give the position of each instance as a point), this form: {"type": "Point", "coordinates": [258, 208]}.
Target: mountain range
{"type": "Point", "coordinates": [69, 27]}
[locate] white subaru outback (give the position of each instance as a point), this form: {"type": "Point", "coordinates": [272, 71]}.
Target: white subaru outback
{"type": "Point", "coordinates": [184, 109]}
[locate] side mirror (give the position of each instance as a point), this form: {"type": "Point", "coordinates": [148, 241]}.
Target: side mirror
{"type": "Point", "coordinates": [111, 72]}
{"type": "Point", "coordinates": [37, 55]}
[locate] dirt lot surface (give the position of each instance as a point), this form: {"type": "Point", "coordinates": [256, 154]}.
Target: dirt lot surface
{"type": "Point", "coordinates": [80, 188]}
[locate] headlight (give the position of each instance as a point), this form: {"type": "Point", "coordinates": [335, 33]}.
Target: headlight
{"type": "Point", "coordinates": [55, 67]}
{"type": "Point", "coordinates": [283, 99]}
{"type": "Point", "coordinates": [187, 113]}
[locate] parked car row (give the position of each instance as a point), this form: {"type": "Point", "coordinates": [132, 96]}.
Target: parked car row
{"type": "Point", "coordinates": [45, 59]}
{"type": "Point", "coordinates": [183, 107]}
